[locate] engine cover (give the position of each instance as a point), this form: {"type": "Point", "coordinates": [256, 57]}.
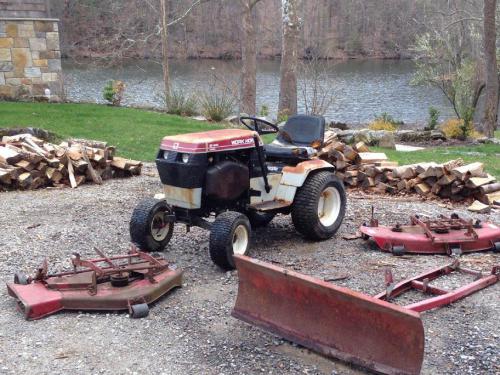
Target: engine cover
{"type": "Point", "coordinates": [227, 180]}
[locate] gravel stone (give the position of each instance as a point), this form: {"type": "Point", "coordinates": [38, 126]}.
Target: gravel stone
{"type": "Point", "coordinates": [190, 331]}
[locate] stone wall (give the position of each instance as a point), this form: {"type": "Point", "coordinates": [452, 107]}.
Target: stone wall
{"type": "Point", "coordinates": [30, 59]}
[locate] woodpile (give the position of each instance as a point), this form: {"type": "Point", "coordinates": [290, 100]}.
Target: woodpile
{"type": "Point", "coordinates": [27, 162]}
{"type": "Point", "coordinates": [358, 167]}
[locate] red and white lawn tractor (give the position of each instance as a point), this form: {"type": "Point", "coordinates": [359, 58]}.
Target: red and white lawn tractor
{"type": "Point", "coordinates": [231, 174]}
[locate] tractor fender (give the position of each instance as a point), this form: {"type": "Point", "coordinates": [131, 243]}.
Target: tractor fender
{"type": "Point", "coordinates": [296, 176]}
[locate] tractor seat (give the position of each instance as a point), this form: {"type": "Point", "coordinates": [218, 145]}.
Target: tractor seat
{"type": "Point", "coordinates": [296, 138]}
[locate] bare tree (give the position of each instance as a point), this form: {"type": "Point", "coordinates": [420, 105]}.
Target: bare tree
{"type": "Point", "coordinates": [164, 46]}
{"type": "Point", "coordinates": [314, 86]}
{"type": "Point", "coordinates": [291, 22]}
{"type": "Point", "coordinates": [490, 53]}
{"type": "Point", "coordinates": [249, 58]}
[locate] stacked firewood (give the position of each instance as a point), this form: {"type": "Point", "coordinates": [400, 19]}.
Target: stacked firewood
{"type": "Point", "coordinates": [358, 167]}
{"type": "Point", "coordinates": [27, 162]}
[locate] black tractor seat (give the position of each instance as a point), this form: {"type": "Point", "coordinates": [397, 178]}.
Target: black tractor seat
{"type": "Point", "coordinates": [296, 138]}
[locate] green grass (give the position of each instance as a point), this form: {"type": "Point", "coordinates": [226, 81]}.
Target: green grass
{"type": "Point", "coordinates": [136, 133]}
{"type": "Point", "coordinates": [489, 154]}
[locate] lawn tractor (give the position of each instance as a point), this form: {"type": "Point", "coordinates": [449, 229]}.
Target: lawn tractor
{"type": "Point", "coordinates": [232, 175]}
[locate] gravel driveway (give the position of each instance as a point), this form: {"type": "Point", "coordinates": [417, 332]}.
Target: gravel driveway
{"type": "Point", "coordinates": [191, 331]}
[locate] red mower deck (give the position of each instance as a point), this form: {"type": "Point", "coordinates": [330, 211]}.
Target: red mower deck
{"type": "Point", "coordinates": [127, 282]}
{"type": "Point", "coordinates": [441, 236]}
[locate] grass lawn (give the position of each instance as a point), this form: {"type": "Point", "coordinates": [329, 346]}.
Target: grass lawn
{"type": "Point", "coordinates": [488, 154]}
{"type": "Point", "coordinates": [136, 133]}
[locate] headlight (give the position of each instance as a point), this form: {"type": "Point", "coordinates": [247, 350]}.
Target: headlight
{"type": "Point", "coordinates": [165, 155]}
{"type": "Point", "coordinates": [185, 158]}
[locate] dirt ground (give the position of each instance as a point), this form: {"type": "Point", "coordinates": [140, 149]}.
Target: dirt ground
{"type": "Point", "coordinates": [191, 331]}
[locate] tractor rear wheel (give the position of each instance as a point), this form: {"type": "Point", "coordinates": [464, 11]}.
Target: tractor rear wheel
{"type": "Point", "coordinates": [259, 219]}
{"type": "Point", "coordinates": [319, 206]}
{"type": "Point", "coordinates": [230, 234]}
{"type": "Point", "coordinates": [149, 230]}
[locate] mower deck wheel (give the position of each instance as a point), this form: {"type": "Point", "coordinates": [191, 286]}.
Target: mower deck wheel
{"type": "Point", "coordinates": [496, 247]}
{"type": "Point", "coordinates": [21, 279]}
{"type": "Point", "coordinates": [319, 206]}
{"type": "Point", "coordinates": [230, 234]}
{"type": "Point", "coordinates": [398, 250]}
{"type": "Point", "coordinates": [140, 310]}
{"type": "Point", "coordinates": [148, 228]}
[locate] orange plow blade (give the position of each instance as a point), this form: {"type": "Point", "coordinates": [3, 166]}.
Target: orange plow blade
{"type": "Point", "coordinates": [332, 320]}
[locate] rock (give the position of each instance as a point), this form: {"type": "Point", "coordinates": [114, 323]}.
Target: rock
{"type": "Point", "coordinates": [235, 120]}
{"type": "Point", "coordinates": [387, 140]}
{"type": "Point", "coordinates": [364, 135]}
{"type": "Point", "coordinates": [199, 118]}
{"type": "Point", "coordinates": [338, 125]}
{"type": "Point", "coordinates": [437, 134]}
{"type": "Point", "coordinates": [347, 136]}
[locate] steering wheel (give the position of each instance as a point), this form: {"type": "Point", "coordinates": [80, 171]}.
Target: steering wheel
{"type": "Point", "coordinates": [256, 127]}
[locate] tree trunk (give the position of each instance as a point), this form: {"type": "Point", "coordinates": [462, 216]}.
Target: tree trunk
{"type": "Point", "coordinates": [164, 45]}
{"type": "Point", "coordinates": [491, 102]}
{"type": "Point", "coordinates": [289, 57]}
{"type": "Point", "coordinates": [249, 59]}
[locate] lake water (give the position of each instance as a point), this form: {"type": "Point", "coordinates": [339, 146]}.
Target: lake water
{"type": "Point", "coordinates": [361, 89]}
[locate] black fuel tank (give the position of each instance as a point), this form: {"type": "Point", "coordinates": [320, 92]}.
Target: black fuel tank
{"type": "Point", "coordinates": [227, 180]}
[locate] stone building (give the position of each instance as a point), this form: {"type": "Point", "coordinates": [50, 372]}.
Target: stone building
{"type": "Point", "coordinates": [30, 55]}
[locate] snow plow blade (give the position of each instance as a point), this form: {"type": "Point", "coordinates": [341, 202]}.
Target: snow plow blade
{"type": "Point", "coordinates": [335, 321]}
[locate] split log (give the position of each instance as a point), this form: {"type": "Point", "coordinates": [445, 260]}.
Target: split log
{"type": "Point", "coordinates": [371, 157]}
{"type": "Point", "coordinates": [475, 182]}
{"type": "Point", "coordinates": [361, 147]}
{"type": "Point", "coordinates": [469, 170]}
{"type": "Point", "coordinates": [9, 156]}
{"type": "Point", "coordinates": [25, 180]}
{"type": "Point", "coordinates": [490, 188]}
{"type": "Point", "coordinates": [446, 179]}
{"type": "Point", "coordinates": [422, 188]}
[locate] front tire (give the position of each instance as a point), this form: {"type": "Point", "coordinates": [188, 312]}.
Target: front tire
{"type": "Point", "coordinates": [319, 206]}
{"type": "Point", "coordinates": [148, 229]}
{"type": "Point", "coordinates": [230, 234]}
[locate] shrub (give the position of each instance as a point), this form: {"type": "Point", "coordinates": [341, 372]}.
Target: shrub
{"type": "Point", "coordinates": [283, 116]}
{"type": "Point", "coordinates": [379, 124]}
{"type": "Point", "coordinates": [264, 111]}
{"type": "Point", "coordinates": [459, 129]}
{"type": "Point", "coordinates": [113, 92]}
{"type": "Point", "coordinates": [216, 106]}
{"type": "Point", "coordinates": [178, 103]}
{"type": "Point", "coordinates": [385, 121]}
{"type": "Point", "coordinates": [433, 118]}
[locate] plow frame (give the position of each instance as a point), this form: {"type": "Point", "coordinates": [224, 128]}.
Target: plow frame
{"type": "Point", "coordinates": [441, 297]}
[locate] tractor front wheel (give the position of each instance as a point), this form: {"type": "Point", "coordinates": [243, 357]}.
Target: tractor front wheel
{"type": "Point", "coordinates": [230, 234]}
{"type": "Point", "coordinates": [149, 229]}
{"type": "Point", "coordinates": [319, 206]}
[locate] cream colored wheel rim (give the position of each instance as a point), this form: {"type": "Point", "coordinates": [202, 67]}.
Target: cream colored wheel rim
{"type": "Point", "coordinates": [329, 206]}
{"type": "Point", "coordinates": [240, 240]}
{"type": "Point", "coordinates": [159, 229]}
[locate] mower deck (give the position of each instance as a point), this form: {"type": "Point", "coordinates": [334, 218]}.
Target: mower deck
{"type": "Point", "coordinates": [132, 285]}
{"type": "Point", "coordinates": [442, 236]}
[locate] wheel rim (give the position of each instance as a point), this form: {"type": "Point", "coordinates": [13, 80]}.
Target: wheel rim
{"type": "Point", "coordinates": [240, 240]}
{"type": "Point", "coordinates": [329, 206]}
{"type": "Point", "coordinates": [159, 228]}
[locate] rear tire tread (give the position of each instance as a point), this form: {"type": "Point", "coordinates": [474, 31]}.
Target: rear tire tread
{"type": "Point", "coordinates": [305, 206]}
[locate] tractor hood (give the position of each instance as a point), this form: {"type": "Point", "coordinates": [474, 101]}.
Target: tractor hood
{"type": "Point", "coordinates": [210, 141]}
